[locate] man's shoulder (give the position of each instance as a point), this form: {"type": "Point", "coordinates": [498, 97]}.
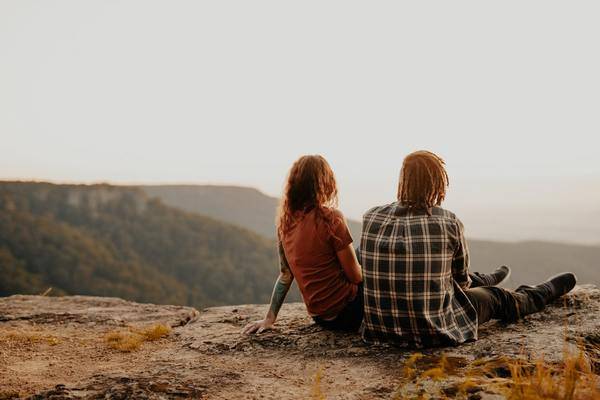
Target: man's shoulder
{"type": "Point", "coordinates": [382, 210]}
{"type": "Point", "coordinates": [443, 213]}
{"type": "Point", "coordinates": [397, 209]}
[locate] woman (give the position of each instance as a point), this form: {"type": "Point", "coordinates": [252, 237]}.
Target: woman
{"type": "Point", "coordinates": [315, 248]}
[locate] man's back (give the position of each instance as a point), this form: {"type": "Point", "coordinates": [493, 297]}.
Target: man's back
{"type": "Point", "coordinates": [414, 266]}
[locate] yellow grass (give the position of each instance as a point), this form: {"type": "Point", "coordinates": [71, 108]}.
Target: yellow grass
{"type": "Point", "coordinates": [438, 372]}
{"type": "Point", "coordinates": [28, 338]}
{"type": "Point", "coordinates": [573, 379]}
{"type": "Point", "coordinates": [124, 341]}
{"type": "Point", "coordinates": [132, 339]}
{"type": "Point", "coordinates": [409, 370]}
{"type": "Point", "coordinates": [155, 332]}
{"type": "Point", "coordinates": [316, 392]}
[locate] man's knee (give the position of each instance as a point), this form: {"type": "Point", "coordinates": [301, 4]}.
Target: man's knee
{"type": "Point", "coordinates": [486, 302]}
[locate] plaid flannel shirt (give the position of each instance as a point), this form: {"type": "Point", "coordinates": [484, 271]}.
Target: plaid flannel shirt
{"type": "Point", "coordinates": [415, 267]}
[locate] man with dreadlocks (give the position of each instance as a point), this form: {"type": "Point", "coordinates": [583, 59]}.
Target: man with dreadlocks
{"type": "Point", "coordinates": [418, 291]}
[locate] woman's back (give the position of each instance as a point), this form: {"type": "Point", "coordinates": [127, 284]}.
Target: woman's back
{"type": "Point", "coordinates": [311, 245]}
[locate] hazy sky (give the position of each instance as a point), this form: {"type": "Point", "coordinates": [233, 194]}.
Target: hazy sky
{"type": "Point", "coordinates": [233, 91]}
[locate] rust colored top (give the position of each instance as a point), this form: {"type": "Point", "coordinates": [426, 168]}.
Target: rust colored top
{"type": "Point", "coordinates": [310, 247]}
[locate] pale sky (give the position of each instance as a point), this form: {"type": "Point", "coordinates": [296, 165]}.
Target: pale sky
{"type": "Point", "coordinates": [232, 92]}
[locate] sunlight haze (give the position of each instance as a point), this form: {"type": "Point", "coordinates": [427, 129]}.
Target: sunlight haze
{"type": "Point", "coordinates": [233, 92]}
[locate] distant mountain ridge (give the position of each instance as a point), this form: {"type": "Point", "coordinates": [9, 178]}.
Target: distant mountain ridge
{"type": "Point", "coordinates": [531, 261]}
{"type": "Point", "coordinates": [243, 206]}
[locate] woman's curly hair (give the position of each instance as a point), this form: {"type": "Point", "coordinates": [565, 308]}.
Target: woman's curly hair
{"type": "Point", "coordinates": [423, 181]}
{"type": "Point", "coordinates": [310, 184]}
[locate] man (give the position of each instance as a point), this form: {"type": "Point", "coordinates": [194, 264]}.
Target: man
{"type": "Point", "coordinates": [417, 288]}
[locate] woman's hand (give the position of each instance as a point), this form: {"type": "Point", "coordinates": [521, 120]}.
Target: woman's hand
{"type": "Point", "coordinates": [258, 326]}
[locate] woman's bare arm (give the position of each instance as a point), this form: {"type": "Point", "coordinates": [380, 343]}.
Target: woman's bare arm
{"type": "Point", "coordinates": [280, 290]}
{"type": "Point", "coordinates": [350, 265]}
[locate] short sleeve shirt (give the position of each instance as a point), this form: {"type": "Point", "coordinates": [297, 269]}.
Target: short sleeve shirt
{"type": "Point", "coordinates": [310, 247]}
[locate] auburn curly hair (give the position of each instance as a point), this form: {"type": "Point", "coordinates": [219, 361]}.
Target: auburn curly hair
{"type": "Point", "coordinates": [423, 181]}
{"type": "Point", "coordinates": [310, 184]}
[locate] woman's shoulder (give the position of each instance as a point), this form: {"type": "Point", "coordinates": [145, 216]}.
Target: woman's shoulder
{"type": "Point", "coordinates": [332, 213]}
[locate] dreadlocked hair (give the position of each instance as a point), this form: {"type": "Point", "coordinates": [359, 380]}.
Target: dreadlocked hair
{"type": "Point", "coordinates": [423, 181]}
{"type": "Point", "coordinates": [310, 185]}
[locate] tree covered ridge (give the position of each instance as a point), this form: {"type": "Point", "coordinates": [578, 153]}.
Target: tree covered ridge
{"type": "Point", "coordinates": [116, 241]}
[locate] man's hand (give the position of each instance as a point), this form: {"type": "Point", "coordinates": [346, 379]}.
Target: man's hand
{"type": "Point", "coordinates": [257, 326]}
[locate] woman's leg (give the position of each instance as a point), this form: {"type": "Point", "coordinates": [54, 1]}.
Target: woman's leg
{"type": "Point", "coordinates": [349, 319]}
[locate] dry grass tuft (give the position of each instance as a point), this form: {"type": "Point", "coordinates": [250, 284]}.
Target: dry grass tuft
{"type": "Point", "coordinates": [409, 370]}
{"type": "Point", "coordinates": [131, 340]}
{"type": "Point", "coordinates": [28, 338]}
{"type": "Point", "coordinates": [316, 393]}
{"type": "Point", "coordinates": [155, 332]}
{"type": "Point", "coordinates": [124, 341]}
{"type": "Point", "coordinates": [516, 379]}
{"type": "Point", "coordinates": [573, 380]}
{"type": "Point", "coordinates": [438, 372]}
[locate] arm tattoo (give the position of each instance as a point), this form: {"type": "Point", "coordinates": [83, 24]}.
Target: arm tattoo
{"type": "Point", "coordinates": [283, 284]}
{"type": "Point", "coordinates": [279, 292]}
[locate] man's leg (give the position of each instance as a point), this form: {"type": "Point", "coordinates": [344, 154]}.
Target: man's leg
{"type": "Point", "coordinates": [511, 306]}
{"type": "Point", "coordinates": [492, 303]}
{"type": "Point", "coordinates": [493, 279]}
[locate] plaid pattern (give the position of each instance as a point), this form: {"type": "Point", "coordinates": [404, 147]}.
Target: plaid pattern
{"type": "Point", "coordinates": [415, 268]}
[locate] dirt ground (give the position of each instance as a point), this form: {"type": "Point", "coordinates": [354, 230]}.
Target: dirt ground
{"type": "Point", "coordinates": [43, 350]}
{"type": "Point", "coordinates": [57, 348]}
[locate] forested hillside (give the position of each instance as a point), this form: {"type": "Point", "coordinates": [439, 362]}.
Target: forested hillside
{"type": "Point", "coordinates": [114, 241]}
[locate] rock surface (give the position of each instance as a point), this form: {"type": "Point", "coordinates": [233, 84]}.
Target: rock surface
{"type": "Point", "coordinates": [55, 347]}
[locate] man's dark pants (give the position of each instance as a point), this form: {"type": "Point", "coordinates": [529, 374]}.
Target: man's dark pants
{"type": "Point", "coordinates": [497, 303]}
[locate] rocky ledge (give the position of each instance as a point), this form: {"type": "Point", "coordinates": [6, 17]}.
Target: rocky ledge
{"type": "Point", "coordinates": [57, 347]}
